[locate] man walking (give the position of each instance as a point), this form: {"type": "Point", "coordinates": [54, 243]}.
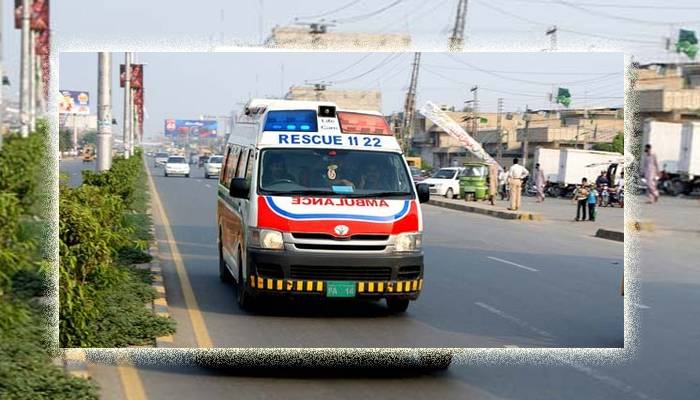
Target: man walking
{"type": "Point", "coordinates": [516, 174]}
{"type": "Point", "coordinates": [503, 183]}
{"type": "Point", "coordinates": [539, 183]}
{"type": "Point", "coordinates": [651, 173]}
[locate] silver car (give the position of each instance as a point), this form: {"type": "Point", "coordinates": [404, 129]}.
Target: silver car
{"type": "Point", "coordinates": [213, 166]}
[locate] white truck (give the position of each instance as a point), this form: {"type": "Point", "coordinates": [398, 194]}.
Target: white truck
{"type": "Point", "coordinates": [677, 148]}
{"type": "Point", "coordinates": [565, 168]}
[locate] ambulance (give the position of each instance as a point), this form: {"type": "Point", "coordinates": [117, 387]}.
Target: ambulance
{"type": "Point", "coordinates": [318, 201]}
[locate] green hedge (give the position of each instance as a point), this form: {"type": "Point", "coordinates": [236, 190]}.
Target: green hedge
{"type": "Point", "coordinates": [26, 371]}
{"type": "Point", "coordinates": [103, 229]}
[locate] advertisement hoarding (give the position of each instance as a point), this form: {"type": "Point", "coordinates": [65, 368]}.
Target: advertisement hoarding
{"type": "Point", "coordinates": [190, 127]}
{"type": "Point", "coordinates": [74, 102]}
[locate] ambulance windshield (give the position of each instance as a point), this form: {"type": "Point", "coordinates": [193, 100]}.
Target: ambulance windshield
{"type": "Point", "coordinates": [330, 172]}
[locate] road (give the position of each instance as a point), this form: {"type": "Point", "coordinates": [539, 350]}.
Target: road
{"type": "Point", "coordinates": [489, 283]}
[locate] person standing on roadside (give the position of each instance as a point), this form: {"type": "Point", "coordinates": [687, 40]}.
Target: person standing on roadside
{"type": "Point", "coordinates": [592, 200]}
{"type": "Point", "coordinates": [503, 183]}
{"type": "Point", "coordinates": [516, 174]}
{"type": "Point", "coordinates": [651, 173]}
{"type": "Point", "coordinates": [581, 198]}
{"type": "Point", "coordinates": [539, 183]}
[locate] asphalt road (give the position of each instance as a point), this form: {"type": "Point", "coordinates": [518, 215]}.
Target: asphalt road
{"type": "Point", "coordinates": [488, 283]}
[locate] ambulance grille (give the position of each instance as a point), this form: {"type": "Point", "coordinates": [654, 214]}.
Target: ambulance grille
{"type": "Point", "coordinates": [409, 272]}
{"type": "Point", "coordinates": [270, 270]}
{"type": "Point", "coordinates": [339, 247]}
{"type": "Point", "coordinates": [325, 236]}
{"type": "Point", "coordinates": [340, 273]}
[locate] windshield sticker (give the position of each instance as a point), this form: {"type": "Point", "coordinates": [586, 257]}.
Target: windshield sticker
{"type": "Point", "coordinates": [331, 172]}
{"type": "Point", "coordinates": [342, 189]}
{"type": "Point", "coordinates": [329, 140]}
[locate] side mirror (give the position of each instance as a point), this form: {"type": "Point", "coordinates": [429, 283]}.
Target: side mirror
{"type": "Point", "coordinates": [239, 188]}
{"type": "Point", "coordinates": [423, 192]}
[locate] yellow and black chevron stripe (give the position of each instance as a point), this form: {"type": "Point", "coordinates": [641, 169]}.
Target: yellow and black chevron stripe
{"type": "Point", "coordinates": [294, 285]}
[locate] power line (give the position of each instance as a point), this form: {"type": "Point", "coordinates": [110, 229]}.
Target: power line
{"type": "Point", "coordinates": [369, 14]}
{"type": "Point", "coordinates": [613, 5]}
{"type": "Point", "coordinates": [387, 59]}
{"type": "Point", "coordinates": [344, 69]}
{"type": "Point", "coordinates": [523, 72]}
{"type": "Point", "coordinates": [335, 10]}
{"type": "Point", "coordinates": [621, 18]}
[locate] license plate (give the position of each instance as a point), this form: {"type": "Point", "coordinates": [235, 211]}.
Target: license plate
{"type": "Point", "coordinates": [340, 289]}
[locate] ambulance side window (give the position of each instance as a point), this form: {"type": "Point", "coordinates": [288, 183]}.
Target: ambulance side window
{"type": "Point", "coordinates": [251, 162]}
{"type": "Point", "coordinates": [240, 172]}
{"type": "Point", "coordinates": [222, 175]}
{"type": "Point", "coordinates": [231, 164]}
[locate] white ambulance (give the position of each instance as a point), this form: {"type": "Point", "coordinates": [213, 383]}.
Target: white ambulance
{"type": "Point", "coordinates": [318, 201]}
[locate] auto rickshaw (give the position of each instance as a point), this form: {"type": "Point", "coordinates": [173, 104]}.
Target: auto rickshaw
{"type": "Point", "coordinates": [473, 183]}
{"type": "Point", "coordinates": [88, 154]}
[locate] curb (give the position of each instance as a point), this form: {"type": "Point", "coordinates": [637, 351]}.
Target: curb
{"type": "Point", "coordinates": [503, 214]}
{"type": "Point", "coordinates": [74, 363]}
{"type": "Point", "coordinates": [610, 235]}
{"type": "Point", "coordinates": [160, 303]}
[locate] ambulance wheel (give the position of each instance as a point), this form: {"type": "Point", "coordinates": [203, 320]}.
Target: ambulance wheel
{"type": "Point", "coordinates": [449, 194]}
{"type": "Point", "coordinates": [243, 298]}
{"type": "Point", "coordinates": [397, 306]}
{"type": "Point", "coordinates": [224, 273]}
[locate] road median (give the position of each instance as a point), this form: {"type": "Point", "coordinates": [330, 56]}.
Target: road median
{"type": "Point", "coordinates": [489, 210]}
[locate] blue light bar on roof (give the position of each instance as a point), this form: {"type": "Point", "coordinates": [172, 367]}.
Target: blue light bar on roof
{"type": "Point", "coordinates": [291, 121]}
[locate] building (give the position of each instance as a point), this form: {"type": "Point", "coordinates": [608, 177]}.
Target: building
{"type": "Point", "coordinates": [369, 100]}
{"type": "Point", "coordinates": [547, 128]}
{"type": "Point", "coordinates": [668, 91]}
{"type": "Point", "coordinates": [316, 36]}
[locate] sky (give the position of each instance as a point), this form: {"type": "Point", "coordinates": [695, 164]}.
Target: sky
{"type": "Point", "coordinates": [637, 28]}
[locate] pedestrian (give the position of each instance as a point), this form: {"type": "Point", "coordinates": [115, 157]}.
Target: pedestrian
{"type": "Point", "coordinates": [516, 174]}
{"type": "Point", "coordinates": [581, 198]}
{"type": "Point", "coordinates": [651, 173]}
{"type": "Point", "coordinates": [493, 182]}
{"type": "Point", "coordinates": [503, 183]}
{"type": "Point", "coordinates": [539, 183]}
{"type": "Point", "coordinates": [592, 200]}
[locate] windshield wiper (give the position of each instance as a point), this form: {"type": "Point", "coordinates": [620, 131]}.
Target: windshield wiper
{"type": "Point", "coordinates": [302, 192]}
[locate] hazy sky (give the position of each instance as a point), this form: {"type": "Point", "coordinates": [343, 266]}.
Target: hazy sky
{"type": "Point", "coordinates": [188, 85]}
{"type": "Point", "coordinates": [638, 28]}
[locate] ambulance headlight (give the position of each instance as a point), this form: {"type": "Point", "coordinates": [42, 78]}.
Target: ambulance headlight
{"type": "Point", "coordinates": [266, 239]}
{"type": "Point", "coordinates": [412, 241]}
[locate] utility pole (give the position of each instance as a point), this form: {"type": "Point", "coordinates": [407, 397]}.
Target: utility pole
{"type": "Point", "coordinates": [104, 111]}
{"type": "Point", "coordinates": [552, 33]}
{"type": "Point", "coordinates": [499, 117]}
{"type": "Point", "coordinates": [32, 81]}
{"type": "Point", "coordinates": [127, 105]}
{"type": "Point", "coordinates": [24, 71]}
{"type": "Point", "coordinates": [456, 42]}
{"type": "Point", "coordinates": [475, 110]}
{"type": "Point", "coordinates": [526, 139]}
{"type": "Point", "coordinates": [410, 107]}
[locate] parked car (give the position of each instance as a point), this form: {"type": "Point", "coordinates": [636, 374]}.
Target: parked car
{"type": "Point", "coordinates": [445, 182]}
{"type": "Point", "coordinates": [177, 165]}
{"type": "Point", "coordinates": [213, 166]}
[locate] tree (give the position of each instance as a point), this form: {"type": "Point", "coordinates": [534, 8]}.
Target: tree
{"type": "Point", "coordinates": [89, 137]}
{"type": "Point", "coordinates": [617, 145]}
{"type": "Point", "coordinates": [65, 141]}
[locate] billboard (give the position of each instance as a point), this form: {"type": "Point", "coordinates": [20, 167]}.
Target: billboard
{"type": "Point", "coordinates": [193, 128]}
{"type": "Point", "coordinates": [38, 15]}
{"type": "Point", "coordinates": [74, 102]}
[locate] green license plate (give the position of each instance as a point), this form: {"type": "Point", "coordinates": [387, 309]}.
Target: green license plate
{"type": "Point", "coordinates": [340, 289]}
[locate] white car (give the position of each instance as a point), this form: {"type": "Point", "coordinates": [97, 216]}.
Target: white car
{"type": "Point", "coordinates": [445, 182]}
{"type": "Point", "coordinates": [177, 165]}
{"type": "Point", "coordinates": [160, 159]}
{"type": "Point", "coordinates": [213, 166]}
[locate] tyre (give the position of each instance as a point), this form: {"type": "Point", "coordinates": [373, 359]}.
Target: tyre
{"type": "Point", "coordinates": [187, 175]}
{"type": "Point", "coordinates": [206, 176]}
{"type": "Point", "coordinates": [449, 194]}
{"type": "Point", "coordinates": [243, 297]}
{"type": "Point", "coordinates": [397, 306]}
{"type": "Point", "coordinates": [165, 174]}
{"type": "Point", "coordinates": [224, 274]}
{"type": "Point", "coordinates": [676, 187]}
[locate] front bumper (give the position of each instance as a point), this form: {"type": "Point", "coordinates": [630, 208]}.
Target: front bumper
{"type": "Point", "coordinates": [177, 171]}
{"type": "Point", "coordinates": [286, 278]}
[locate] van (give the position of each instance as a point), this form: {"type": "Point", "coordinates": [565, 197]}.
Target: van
{"type": "Point", "coordinates": [318, 201]}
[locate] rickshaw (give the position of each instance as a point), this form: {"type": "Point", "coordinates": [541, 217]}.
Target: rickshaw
{"type": "Point", "coordinates": [473, 183]}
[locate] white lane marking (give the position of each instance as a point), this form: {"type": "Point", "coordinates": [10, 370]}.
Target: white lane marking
{"type": "Point", "coordinates": [642, 306]}
{"type": "Point", "coordinates": [513, 264]}
{"type": "Point", "coordinates": [207, 185]}
{"type": "Point", "coordinates": [514, 320]}
{"type": "Point", "coordinates": [597, 375]}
